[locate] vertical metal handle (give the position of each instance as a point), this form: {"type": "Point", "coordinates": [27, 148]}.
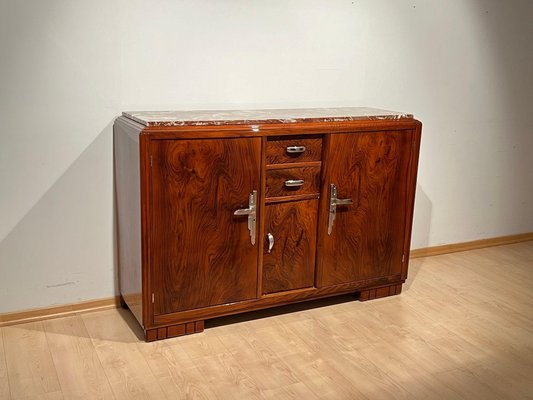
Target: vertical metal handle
{"type": "Point", "coordinates": [333, 203]}
{"type": "Point", "coordinates": [270, 238]}
{"type": "Point", "coordinates": [251, 212]}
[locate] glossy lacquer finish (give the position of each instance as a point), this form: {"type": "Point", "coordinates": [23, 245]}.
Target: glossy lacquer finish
{"type": "Point", "coordinates": [292, 181]}
{"type": "Point", "coordinates": [367, 238]}
{"type": "Point", "coordinates": [278, 149]}
{"type": "Point", "coordinates": [127, 183]}
{"type": "Point", "coordinates": [201, 253]}
{"type": "Point", "coordinates": [291, 262]}
{"type": "Point", "coordinates": [185, 257]}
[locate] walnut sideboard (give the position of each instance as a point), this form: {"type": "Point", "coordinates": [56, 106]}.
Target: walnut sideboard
{"type": "Point", "coordinates": [223, 212]}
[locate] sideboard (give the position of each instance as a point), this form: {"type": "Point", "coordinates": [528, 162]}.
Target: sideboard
{"type": "Point", "coordinates": [223, 212]}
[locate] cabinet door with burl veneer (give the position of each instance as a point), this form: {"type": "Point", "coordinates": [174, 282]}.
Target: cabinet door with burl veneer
{"type": "Point", "coordinates": [290, 245]}
{"type": "Point", "coordinates": [363, 219]}
{"type": "Point", "coordinates": [202, 254]}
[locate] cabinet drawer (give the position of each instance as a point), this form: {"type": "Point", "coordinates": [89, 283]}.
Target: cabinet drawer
{"type": "Point", "coordinates": [293, 149]}
{"type": "Point", "coordinates": [292, 181]}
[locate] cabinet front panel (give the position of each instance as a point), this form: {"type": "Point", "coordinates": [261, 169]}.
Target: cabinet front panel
{"type": "Point", "coordinates": [201, 252]}
{"type": "Point", "coordinates": [367, 236]}
{"type": "Point", "coordinates": [291, 261]}
{"type": "Point", "coordinates": [292, 181]}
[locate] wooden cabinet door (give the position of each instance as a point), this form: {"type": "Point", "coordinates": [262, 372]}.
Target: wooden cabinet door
{"type": "Point", "coordinates": [202, 254]}
{"type": "Point", "coordinates": [367, 236]}
{"type": "Point", "coordinates": [290, 264]}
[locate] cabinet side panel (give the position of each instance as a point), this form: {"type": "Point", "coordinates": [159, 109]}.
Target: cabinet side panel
{"type": "Point", "coordinates": [127, 186]}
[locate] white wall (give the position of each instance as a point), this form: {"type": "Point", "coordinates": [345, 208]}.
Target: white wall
{"type": "Point", "coordinates": [67, 68]}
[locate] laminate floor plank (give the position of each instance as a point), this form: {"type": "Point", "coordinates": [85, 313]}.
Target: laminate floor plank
{"type": "Point", "coordinates": [311, 372]}
{"type": "Point", "coordinates": [321, 377]}
{"type": "Point", "coordinates": [369, 381]}
{"type": "Point", "coordinates": [496, 376]}
{"type": "Point", "coordinates": [281, 340]}
{"type": "Point", "coordinates": [30, 367]}
{"type": "Point", "coordinates": [46, 396]}
{"type": "Point", "coordinates": [4, 380]}
{"type": "Point", "coordinates": [364, 375]}
{"type": "Point", "coordinates": [462, 329]}
{"type": "Point", "coordinates": [467, 385]}
{"type": "Point", "coordinates": [295, 391]}
{"type": "Point", "coordinates": [203, 369]}
{"type": "Point", "coordinates": [261, 363]}
{"type": "Point", "coordinates": [116, 345]}
{"type": "Point", "coordinates": [226, 377]}
{"type": "Point", "coordinates": [77, 364]}
{"type": "Point", "coordinates": [178, 375]}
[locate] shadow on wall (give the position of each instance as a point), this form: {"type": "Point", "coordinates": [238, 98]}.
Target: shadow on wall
{"type": "Point", "coordinates": [421, 219]}
{"type": "Point", "coordinates": [421, 230]}
{"type": "Point", "coordinates": [507, 31]}
{"type": "Point", "coordinates": [54, 254]}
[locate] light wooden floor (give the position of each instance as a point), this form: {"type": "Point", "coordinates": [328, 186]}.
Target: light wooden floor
{"type": "Point", "coordinates": [462, 329]}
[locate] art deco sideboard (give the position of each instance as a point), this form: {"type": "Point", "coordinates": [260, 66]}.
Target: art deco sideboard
{"type": "Point", "coordinates": [223, 212]}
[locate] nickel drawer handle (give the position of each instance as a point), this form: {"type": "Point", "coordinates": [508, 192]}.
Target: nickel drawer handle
{"type": "Point", "coordinates": [294, 182]}
{"type": "Point", "coordinates": [295, 149]}
{"type": "Point", "coordinates": [270, 238]}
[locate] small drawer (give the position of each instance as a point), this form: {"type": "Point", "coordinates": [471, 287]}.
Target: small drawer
{"type": "Point", "coordinates": [292, 181]}
{"type": "Point", "coordinates": [289, 149]}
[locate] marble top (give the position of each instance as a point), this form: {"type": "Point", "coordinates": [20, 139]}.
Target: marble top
{"type": "Point", "coordinates": [284, 116]}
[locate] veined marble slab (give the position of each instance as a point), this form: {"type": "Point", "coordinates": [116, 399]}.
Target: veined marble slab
{"type": "Point", "coordinates": [284, 116]}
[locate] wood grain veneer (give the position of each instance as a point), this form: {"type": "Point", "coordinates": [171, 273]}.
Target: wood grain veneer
{"type": "Point", "coordinates": [368, 235]}
{"type": "Point", "coordinates": [274, 300]}
{"type": "Point", "coordinates": [276, 149]}
{"type": "Point", "coordinates": [196, 258]}
{"type": "Point", "coordinates": [291, 263]}
{"type": "Point", "coordinates": [202, 254]}
{"type": "Point", "coordinates": [276, 178]}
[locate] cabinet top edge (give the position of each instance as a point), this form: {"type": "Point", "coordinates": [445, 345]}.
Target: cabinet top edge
{"type": "Point", "coordinates": [265, 116]}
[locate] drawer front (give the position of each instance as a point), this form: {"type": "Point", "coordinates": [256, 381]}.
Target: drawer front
{"type": "Point", "coordinates": [292, 181]}
{"type": "Point", "coordinates": [293, 149]}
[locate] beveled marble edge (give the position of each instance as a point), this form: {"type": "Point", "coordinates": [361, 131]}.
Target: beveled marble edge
{"type": "Point", "coordinates": [267, 116]}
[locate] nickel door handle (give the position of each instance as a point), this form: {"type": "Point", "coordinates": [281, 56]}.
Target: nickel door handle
{"type": "Point", "coordinates": [294, 182]}
{"type": "Point", "coordinates": [251, 212]}
{"type": "Point", "coordinates": [270, 238]}
{"type": "Point", "coordinates": [333, 203]}
{"type": "Point", "coordinates": [343, 202]}
{"type": "Point", "coordinates": [295, 149]}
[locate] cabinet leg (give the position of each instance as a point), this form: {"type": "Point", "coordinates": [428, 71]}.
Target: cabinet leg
{"type": "Point", "coordinates": [174, 331]}
{"type": "Point", "coordinates": [377, 293]}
